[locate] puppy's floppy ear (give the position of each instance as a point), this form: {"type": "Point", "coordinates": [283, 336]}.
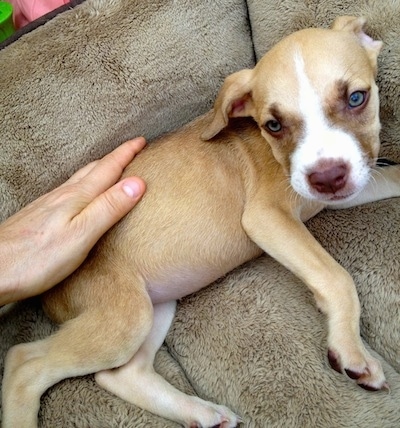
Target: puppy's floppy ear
{"type": "Point", "coordinates": [355, 25]}
{"type": "Point", "coordinates": [349, 23]}
{"type": "Point", "coordinates": [234, 100]}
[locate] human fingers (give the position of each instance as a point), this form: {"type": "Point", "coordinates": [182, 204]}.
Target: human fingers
{"type": "Point", "coordinates": [102, 173]}
{"type": "Point", "coordinates": [109, 207]}
{"type": "Point", "coordinates": [81, 173]}
{"type": "Point", "coordinates": [109, 169]}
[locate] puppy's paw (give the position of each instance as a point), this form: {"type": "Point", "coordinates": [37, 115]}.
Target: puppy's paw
{"type": "Point", "coordinates": [361, 367]}
{"type": "Point", "coordinates": [209, 415]}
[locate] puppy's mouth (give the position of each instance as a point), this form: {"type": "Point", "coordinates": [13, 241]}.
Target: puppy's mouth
{"type": "Point", "coordinates": [344, 195]}
{"type": "Point", "coordinates": [349, 191]}
{"type": "Point", "coordinates": [341, 198]}
{"type": "Point", "coordinates": [334, 198]}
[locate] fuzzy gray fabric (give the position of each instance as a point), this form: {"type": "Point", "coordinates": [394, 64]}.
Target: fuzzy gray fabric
{"type": "Point", "coordinates": [108, 70]}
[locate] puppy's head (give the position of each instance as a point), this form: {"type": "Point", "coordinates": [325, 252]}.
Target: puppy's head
{"type": "Point", "coordinates": [315, 100]}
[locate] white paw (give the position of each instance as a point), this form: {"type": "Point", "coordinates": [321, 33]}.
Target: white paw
{"type": "Point", "coordinates": [207, 415]}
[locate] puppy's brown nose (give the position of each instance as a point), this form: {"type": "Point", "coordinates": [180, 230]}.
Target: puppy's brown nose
{"type": "Point", "coordinates": [330, 180]}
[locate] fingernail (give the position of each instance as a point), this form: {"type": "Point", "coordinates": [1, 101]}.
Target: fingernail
{"type": "Point", "coordinates": [131, 189]}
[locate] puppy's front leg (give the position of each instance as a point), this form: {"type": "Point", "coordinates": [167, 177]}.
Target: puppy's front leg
{"type": "Point", "coordinates": [383, 184]}
{"type": "Point", "coordinates": [286, 239]}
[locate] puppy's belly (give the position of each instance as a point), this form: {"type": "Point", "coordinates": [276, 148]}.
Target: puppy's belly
{"type": "Point", "coordinates": [180, 264]}
{"type": "Point", "coordinates": [175, 283]}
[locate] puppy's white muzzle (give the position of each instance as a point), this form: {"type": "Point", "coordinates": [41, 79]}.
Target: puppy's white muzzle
{"type": "Point", "coordinates": [329, 166]}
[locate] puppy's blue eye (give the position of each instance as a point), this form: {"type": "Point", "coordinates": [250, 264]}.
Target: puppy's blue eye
{"type": "Point", "coordinates": [274, 125]}
{"type": "Point", "coordinates": [356, 99]}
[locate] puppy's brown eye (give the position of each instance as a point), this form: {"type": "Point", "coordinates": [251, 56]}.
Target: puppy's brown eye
{"type": "Point", "coordinates": [357, 98]}
{"type": "Point", "coordinates": [273, 126]}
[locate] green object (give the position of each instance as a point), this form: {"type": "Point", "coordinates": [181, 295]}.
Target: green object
{"type": "Point", "coordinates": [6, 20]}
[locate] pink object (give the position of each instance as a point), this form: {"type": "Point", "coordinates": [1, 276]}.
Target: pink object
{"type": "Point", "coordinates": [26, 11]}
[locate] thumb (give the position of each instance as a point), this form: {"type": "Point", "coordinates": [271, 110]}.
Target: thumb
{"type": "Point", "coordinates": [109, 207]}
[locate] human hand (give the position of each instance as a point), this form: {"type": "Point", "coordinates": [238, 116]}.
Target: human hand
{"type": "Point", "coordinates": [48, 239]}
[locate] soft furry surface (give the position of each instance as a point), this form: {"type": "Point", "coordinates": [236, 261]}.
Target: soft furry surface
{"type": "Point", "coordinates": [105, 71]}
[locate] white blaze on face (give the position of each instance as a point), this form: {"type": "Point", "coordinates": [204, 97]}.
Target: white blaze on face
{"type": "Point", "coordinates": [322, 143]}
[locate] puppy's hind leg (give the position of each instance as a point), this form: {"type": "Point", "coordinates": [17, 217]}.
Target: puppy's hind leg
{"type": "Point", "coordinates": [138, 383]}
{"type": "Point", "coordinates": [97, 339]}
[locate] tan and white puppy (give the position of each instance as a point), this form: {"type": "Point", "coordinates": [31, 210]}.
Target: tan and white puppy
{"type": "Point", "coordinates": [296, 134]}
